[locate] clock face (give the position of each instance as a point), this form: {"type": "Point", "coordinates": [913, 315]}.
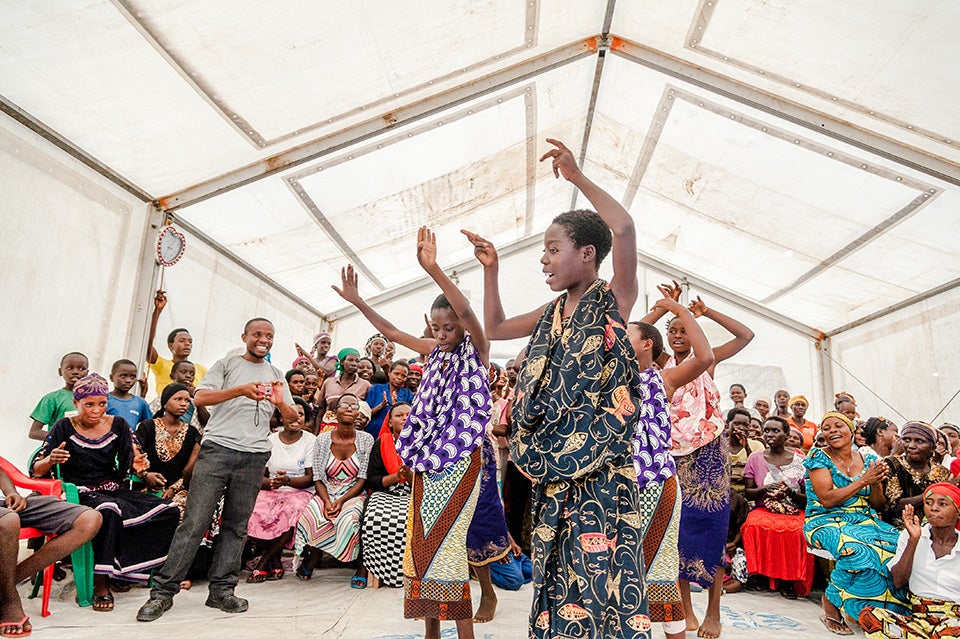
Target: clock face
{"type": "Point", "coordinates": [170, 246]}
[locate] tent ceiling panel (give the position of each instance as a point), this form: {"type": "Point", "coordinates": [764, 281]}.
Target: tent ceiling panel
{"type": "Point", "coordinates": [881, 75]}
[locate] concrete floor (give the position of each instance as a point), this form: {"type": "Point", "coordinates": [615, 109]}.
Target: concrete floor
{"type": "Point", "coordinates": [326, 607]}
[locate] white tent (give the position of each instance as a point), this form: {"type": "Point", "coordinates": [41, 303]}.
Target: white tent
{"type": "Point", "coordinates": [795, 163]}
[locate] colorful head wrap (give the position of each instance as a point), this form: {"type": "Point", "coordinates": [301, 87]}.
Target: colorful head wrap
{"type": "Point", "coordinates": [798, 398]}
{"type": "Point", "coordinates": [948, 426]}
{"type": "Point", "coordinates": [320, 336]}
{"type": "Point", "coordinates": [949, 491]}
{"type": "Point", "coordinates": [373, 337]}
{"type": "Point", "coordinates": [921, 429]}
{"type": "Point", "coordinates": [90, 386]}
{"type": "Point", "coordinates": [301, 360]}
{"type": "Point", "coordinates": [843, 418]}
{"type": "Point", "coordinates": [414, 367]}
{"type": "Point", "coordinates": [797, 432]}
{"type": "Point", "coordinates": [342, 355]}
{"type": "Point", "coordinates": [844, 395]}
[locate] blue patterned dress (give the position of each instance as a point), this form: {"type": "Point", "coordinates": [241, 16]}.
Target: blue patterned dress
{"type": "Point", "coordinates": [860, 542]}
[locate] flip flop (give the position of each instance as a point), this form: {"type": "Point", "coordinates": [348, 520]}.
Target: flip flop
{"type": "Point", "coordinates": [101, 600]}
{"type": "Point", "coordinates": [824, 619]}
{"type": "Point", "coordinates": [276, 574]}
{"type": "Point", "coordinates": [18, 625]}
{"type": "Point", "coordinates": [357, 582]}
{"type": "Point", "coordinates": [257, 577]}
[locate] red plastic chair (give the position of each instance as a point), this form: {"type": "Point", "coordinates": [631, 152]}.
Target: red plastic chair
{"type": "Point", "coordinates": [52, 487]}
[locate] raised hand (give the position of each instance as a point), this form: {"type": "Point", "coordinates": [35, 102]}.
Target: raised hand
{"type": "Point", "coordinates": [300, 351]}
{"type": "Point", "coordinates": [673, 291]}
{"type": "Point", "coordinates": [159, 301]}
{"type": "Point", "coordinates": [697, 307]}
{"type": "Point", "coordinates": [142, 383]}
{"type": "Point", "coordinates": [482, 249]}
{"type": "Point", "coordinates": [349, 290]}
{"type": "Point", "coordinates": [426, 248]}
{"type": "Point", "coordinates": [276, 392]}
{"type": "Point", "coordinates": [668, 305]}
{"type": "Point", "coordinates": [563, 161]}
{"type": "Point", "coordinates": [911, 522]}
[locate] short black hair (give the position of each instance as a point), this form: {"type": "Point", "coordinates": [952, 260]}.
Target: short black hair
{"type": "Point", "coordinates": [737, 411]}
{"type": "Point", "coordinates": [246, 326]}
{"type": "Point", "coordinates": [399, 362]}
{"type": "Point", "coordinates": [587, 228]}
{"type": "Point", "coordinates": [740, 386]}
{"type": "Point", "coordinates": [293, 371]}
{"type": "Point", "coordinates": [303, 404]}
{"type": "Point", "coordinates": [173, 334]}
{"type": "Point", "coordinates": [179, 364]}
{"type": "Point", "coordinates": [649, 331]}
{"type": "Point", "coordinates": [64, 358]}
{"type": "Point", "coordinates": [441, 302]}
{"type": "Point", "coordinates": [121, 362]}
{"type": "Point", "coordinates": [784, 424]}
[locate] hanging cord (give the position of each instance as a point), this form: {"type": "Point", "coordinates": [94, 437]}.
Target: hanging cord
{"type": "Point", "coordinates": [856, 379]}
{"type": "Point", "coordinates": [945, 406]}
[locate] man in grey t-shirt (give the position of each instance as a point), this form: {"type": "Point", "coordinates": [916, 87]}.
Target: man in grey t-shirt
{"type": "Point", "coordinates": [245, 389]}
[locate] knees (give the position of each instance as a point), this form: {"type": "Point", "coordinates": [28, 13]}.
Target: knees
{"type": "Point", "coordinates": [10, 524]}
{"type": "Point", "coordinates": [88, 524]}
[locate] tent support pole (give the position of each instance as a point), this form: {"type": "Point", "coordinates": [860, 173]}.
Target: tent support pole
{"type": "Point", "coordinates": [147, 277]}
{"type": "Point", "coordinates": [825, 372]}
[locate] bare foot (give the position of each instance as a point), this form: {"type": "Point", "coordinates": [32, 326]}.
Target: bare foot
{"type": "Point", "coordinates": [186, 584]}
{"type": "Point", "coordinates": [693, 624]}
{"type": "Point", "coordinates": [710, 628]}
{"type": "Point", "coordinates": [486, 609]}
{"type": "Point", "coordinates": [732, 586]}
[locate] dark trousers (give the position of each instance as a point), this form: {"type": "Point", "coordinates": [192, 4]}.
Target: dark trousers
{"type": "Point", "coordinates": [219, 471]}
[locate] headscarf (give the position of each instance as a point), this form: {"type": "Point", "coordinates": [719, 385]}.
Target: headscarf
{"type": "Point", "coordinates": [388, 447]}
{"type": "Point", "coordinates": [416, 367]}
{"type": "Point", "coordinates": [949, 491]}
{"type": "Point", "coordinates": [300, 360]}
{"type": "Point", "coordinates": [798, 398]}
{"type": "Point", "coordinates": [952, 427]}
{"type": "Point", "coordinates": [169, 391]}
{"type": "Point", "coordinates": [342, 355]}
{"type": "Point", "coordinates": [846, 395]}
{"type": "Point", "coordinates": [320, 336]}
{"type": "Point", "coordinates": [921, 429]}
{"type": "Point", "coordinates": [846, 420]}
{"type": "Point", "coordinates": [370, 341]}
{"type": "Point", "coordinates": [90, 386]}
{"type": "Point", "coordinates": [798, 432]}
{"type": "Point", "coordinates": [365, 410]}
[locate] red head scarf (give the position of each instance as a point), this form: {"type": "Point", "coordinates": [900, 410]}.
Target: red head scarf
{"type": "Point", "coordinates": [388, 446]}
{"type": "Point", "coordinates": [949, 491]}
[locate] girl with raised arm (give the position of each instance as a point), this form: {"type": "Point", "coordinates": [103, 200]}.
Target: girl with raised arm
{"type": "Point", "coordinates": [700, 451]}
{"type": "Point", "coordinates": [440, 442]}
{"type": "Point", "coordinates": [575, 417]}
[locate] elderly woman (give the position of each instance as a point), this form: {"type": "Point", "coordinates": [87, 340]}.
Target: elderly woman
{"type": "Point", "coordinates": [773, 539]}
{"type": "Point", "coordinates": [928, 561]}
{"type": "Point", "coordinates": [844, 491]}
{"type": "Point", "coordinates": [383, 533]}
{"type": "Point", "coordinates": [285, 491]}
{"type": "Point", "coordinates": [911, 472]}
{"type": "Point", "coordinates": [331, 521]}
{"type": "Point", "coordinates": [96, 452]}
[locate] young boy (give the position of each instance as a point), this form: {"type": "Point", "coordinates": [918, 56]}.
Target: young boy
{"type": "Point", "coordinates": [184, 372]}
{"type": "Point", "coordinates": [179, 342]}
{"type": "Point", "coordinates": [59, 404]}
{"type": "Point", "coordinates": [121, 402]}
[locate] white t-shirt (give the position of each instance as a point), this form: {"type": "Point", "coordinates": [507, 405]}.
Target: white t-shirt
{"type": "Point", "coordinates": [293, 458]}
{"type": "Point", "coordinates": [932, 578]}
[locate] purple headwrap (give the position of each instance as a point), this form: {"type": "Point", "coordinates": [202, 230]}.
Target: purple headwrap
{"type": "Point", "coordinates": [90, 386]}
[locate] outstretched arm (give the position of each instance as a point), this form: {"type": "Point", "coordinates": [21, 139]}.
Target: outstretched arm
{"type": "Point", "coordinates": [495, 322]}
{"type": "Point", "coordinates": [159, 302]}
{"type": "Point", "coordinates": [624, 282]}
{"type": "Point", "coordinates": [702, 359]}
{"type": "Point", "coordinates": [741, 334]}
{"type": "Point", "coordinates": [350, 292]}
{"type": "Point", "coordinates": [427, 256]}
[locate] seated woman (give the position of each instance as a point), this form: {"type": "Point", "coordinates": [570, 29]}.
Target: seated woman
{"type": "Point", "coordinates": [285, 491]}
{"type": "Point", "coordinates": [96, 452]}
{"type": "Point", "coordinates": [345, 381]}
{"type": "Point", "coordinates": [844, 492]}
{"type": "Point", "coordinates": [171, 445]}
{"type": "Point", "coordinates": [879, 435]}
{"type": "Point", "coordinates": [741, 445]}
{"type": "Point", "coordinates": [383, 533]}
{"type": "Point", "coordinates": [928, 561]}
{"type": "Point", "coordinates": [331, 521]}
{"type": "Point", "coordinates": [911, 472]}
{"type": "Point", "coordinates": [381, 397]}
{"type": "Point", "coordinates": [773, 533]}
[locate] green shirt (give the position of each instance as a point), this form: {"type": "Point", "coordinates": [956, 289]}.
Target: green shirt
{"type": "Point", "coordinates": [54, 406]}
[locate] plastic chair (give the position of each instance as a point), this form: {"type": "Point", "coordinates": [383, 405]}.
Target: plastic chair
{"type": "Point", "coordinates": [51, 487]}
{"type": "Point", "coordinates": [82, 557]}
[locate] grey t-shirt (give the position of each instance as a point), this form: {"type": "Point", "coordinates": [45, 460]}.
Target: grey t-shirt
{"type": "Point", "coordinates": [241, 423]}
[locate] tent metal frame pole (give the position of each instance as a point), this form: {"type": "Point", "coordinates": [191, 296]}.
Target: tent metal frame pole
{"type": "Point", "coordinates": [825, 372]}
{"type": "Point", "coordinates": [788, 110]}
{"type": "Point", "coordinates": [147, 275]}
{"type": "Point", "coordinates": [382, 123]}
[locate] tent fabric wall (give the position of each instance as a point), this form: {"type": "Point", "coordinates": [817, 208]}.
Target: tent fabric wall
{"type": "Point", "coordinates": [70, 247]}
{"type": "Point", "coordinates": [906, 358]}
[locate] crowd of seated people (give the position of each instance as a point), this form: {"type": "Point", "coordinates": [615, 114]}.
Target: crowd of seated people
{"type": "Point", "coordinates": [878, 499]}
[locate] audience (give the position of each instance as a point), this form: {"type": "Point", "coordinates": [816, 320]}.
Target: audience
{"type": "Point", "coordinates": [382, 396]}
{"type": "Point", "coordinates": [740, 445]}
{"type": "Point", "coordinates": [911, 472]}
{"type": "Point", "coordinates": [121, 402]}
{"type": "Point", "coordinates": [346, 380]}
{"type": "Point", "coordinates": [184, 372]}
{"type": "Point", "coordinates": [58, 404]}
{"type": "Point", "coordinates": [798, 408]}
